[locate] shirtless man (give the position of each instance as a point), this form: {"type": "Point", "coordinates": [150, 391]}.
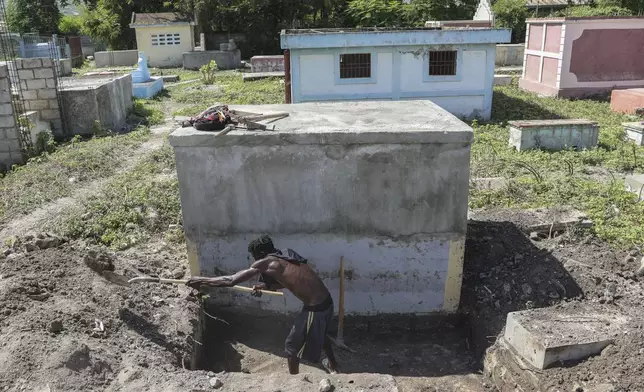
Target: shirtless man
{"type": "Point", "coordinates": [286, 269]}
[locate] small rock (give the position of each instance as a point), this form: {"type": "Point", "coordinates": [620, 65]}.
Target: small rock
{"type": "Point", "coordinates": [629, 259]}
{"type": "Point", "coordinates": [72, 180]}
{"type": "Point", "coordinates": [130, 226]}
{"type": "Point", "coordinates": [48, 242]}
{"type": "Point", "coordinates": [29, 237]}
{"type": "Point", "coordinates": [6, 312]}
{"type": "Point", "coordinates": [506, 287]}
{"type": "Point", "coordinates": [178, 273]}
{"type": "Point", "coordinates": [7, 252]}
{"type": "Point", "coordinates": [30, 247]}
{"type": "Point", "coordinates": [527, 289]}
{"type": "Point", "coordinates": [534, 236]}
{"type": "Point", "coordinates": [99, 261]}
{"type": "Point", "coordinates": [325, 385]}
{"type": "Point", "coordinates": [640, 270]}
{"type": "Point", "coordinates": [216, 383]}
{"type": "Point", "coordinates": [210, 374]}
{"type": "Point", "coordinates": [40, 297]}
{"type": "Point", "coordinates": [56, 326]}
{"type": "Point", "coordinates": [577, 388]}
{"type": "Point", "coordinates": [173, 227]}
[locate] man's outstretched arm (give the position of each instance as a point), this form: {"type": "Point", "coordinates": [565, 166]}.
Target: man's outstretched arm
{"type": "Point", "coordinates": [224, 281]}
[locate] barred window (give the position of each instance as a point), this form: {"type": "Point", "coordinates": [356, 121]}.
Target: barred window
{"type": "Point", "coordinates": [166, 39]}
{"type": "Point", "coordinates": [442, 63]}
{"type": "Point", "coordinates": [355, 65]}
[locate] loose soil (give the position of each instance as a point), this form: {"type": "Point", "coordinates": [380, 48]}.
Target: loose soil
{"type": "Point", "coordinates": [68, 324]}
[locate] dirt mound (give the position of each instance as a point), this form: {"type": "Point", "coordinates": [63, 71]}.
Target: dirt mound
{"type": "Point", "coordinates": [64, 327]}
{"type": "Point", "coordinates": [506, 271]}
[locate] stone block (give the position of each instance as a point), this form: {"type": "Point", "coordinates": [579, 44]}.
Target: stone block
{"type": "Point", "coordinates": [35, 84]}
{"type": "Point", "coordinates": [53, 104]}
{"type": "Point", "coordinates": [50, 114]}
{"type": "Point", "coordinates": [11, 133]}
{"type": "Point", "coordinates": [4, 84]}
{"type": "Point", "coordinates": [635, 183]}
{"type": "Point", "coordinates": [5, 159]}
{"type": "Point", "coordinates": [50, 83]}
{"type": "Point", "coordinates": [502, 80]}
{"type": "Point", "coordinates": [47, 63]}
{"type": "Point", "coordinates": [9, 145]}
{"type": "Point", "coordinates": [44, 73]}
{"type": "Point", "coordinates": [39, 104]}
{"type": "Point", "coordinates": [4, 71]}
{"type": "Point", "coordinates": [25, 74]}
{"type": "Point", "coordinates": [48, 93]}
{"type": "Point", "coordinates": [547, 336]}
{"type": "Point", "coordinates": [30, 63]}
{"type": "Point", "coordinates": [6, 109]}
{"type": "Point", "coordinates": [5, 96]}
{"type": "Point", "coordinates": [23, 85]}
{"type": "Point", "coordinates": [627, 101]}
{"type": "Point", "coordinates": [553, 135]}
{"type": "Point", "coordinates": [635, 132]}
{"type": "Point", "coordinates": [7, 121]}
{"type": "Point", "coordinates": [29, 95]}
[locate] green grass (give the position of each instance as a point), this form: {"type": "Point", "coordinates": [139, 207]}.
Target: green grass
{"type": "Point", "coordinates": [47, 177]}
{"type": "Point", "coordinates": [132, 207]}
{"type": "Point", "coordinates": [229, 88]}
{"type": "Point", "coordinates": [589, 179]}
{"type": "Point", "coordinates": [148, 109]}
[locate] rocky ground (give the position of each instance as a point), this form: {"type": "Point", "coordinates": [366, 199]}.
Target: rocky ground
{"type": "Point", "coordinates": [69, 323]}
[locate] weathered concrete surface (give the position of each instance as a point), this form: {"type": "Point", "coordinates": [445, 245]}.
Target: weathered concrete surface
{"type": "Point", "coordinates": [225, 59]}
{"type": "Point", "coordinates": [10, 144]}
{"type": "Point", "coordinates": [336, 179]}
{"type": "Point", "coordinates": [546, 336]}
{"type": "Point", "coordinates": [149, 89]}
{"type": "Point", "coordinates": [635, 183]}
{"type": "Point", "coordinates": [37, 126]}
{"type": "Point", "coordinates": [262, 75]}
{"type": "Point", "coordinates": [509, 54]}
{"type": "Point", "coordinates": [553, 134]}
{"type": "Point", "coordinates": [502, 80]}
{"type": "Point", "coordinates": [267, 63]}
{"type": "Point", "coordinates": [116, 58]}
{"type": "Point", "coordinates": [635, 132]}
{"type": "Point", "coordinates": [91, 102]}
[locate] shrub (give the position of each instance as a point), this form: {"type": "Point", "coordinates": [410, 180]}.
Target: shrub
{"type": "Point", "coordinates": [208, 72]}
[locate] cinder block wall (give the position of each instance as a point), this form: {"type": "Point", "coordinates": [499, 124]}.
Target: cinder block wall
{"type": "Point", "coordinates": [10, 146]}
{"type": "Point", "coordinates": [39, 89]}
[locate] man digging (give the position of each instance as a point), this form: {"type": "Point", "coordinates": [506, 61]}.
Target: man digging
{"type": "Point", "coordinates": [286, 269]}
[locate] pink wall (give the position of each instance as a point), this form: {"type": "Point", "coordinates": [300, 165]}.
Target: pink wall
{"type": "Point", "coordinates": [535, 37]}
{"type": "Point", "coordinates": [553, 38]}
{"type": "Point", "coordinates": [532, 64]}
{"type": "Point", "coordinates": [549, 71]}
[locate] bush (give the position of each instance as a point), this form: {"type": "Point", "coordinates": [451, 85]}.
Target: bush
{"type": "Point", "coordinates": [70, 25]}
{"type": "Point", "coordinates": [600, 10]}
{"type": "Point", "coordinates": [511, 14]}
{"type": "Point", "coordinates": [208, 72]}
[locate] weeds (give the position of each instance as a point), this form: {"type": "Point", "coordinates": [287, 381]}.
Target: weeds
{"type": "Point", "coordinates": [132, 207]}
{"type": "Point", "coordinates": [148, 110]}
{"type": "Point", "coordinates": [208, 72]}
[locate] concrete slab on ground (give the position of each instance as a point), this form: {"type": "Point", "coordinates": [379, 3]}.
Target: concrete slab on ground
{"type": "Point", "coordinates": [627, 101]}
{"type": "Point", "coordinates": [635, 132]}
{"type": "Point", "coordinates": [635, 183]}
{"type": "Point", "coordinates": [261, 75]}
{"type": "Point", "coordinates": [169, 78]}
{"type": "Point", "coordinates": [546, 336]}
{"type": "Point", "coordinates": [512, 68]}
{"type": "Point", "coordinates": [502, 80]}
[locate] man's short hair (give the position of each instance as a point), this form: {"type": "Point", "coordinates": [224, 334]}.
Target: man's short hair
{"type": "Point", "coordinates": [261, 246]}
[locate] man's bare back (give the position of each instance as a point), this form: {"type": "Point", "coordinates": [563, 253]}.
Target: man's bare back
{"type": "Point", "coordinates": [277, 270]}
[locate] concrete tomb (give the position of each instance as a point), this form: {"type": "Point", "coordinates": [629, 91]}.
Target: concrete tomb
{"type": "Point", "coordinates": [635, 132]}
{"type": "Point", "coordinates": [335, 179]}
{"type": "Point", "coordinates": [553, 135]}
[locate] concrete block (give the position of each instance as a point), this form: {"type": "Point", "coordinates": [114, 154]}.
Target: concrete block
{"type": "Point", "coordinates": [627, 101]}
{"type": "Point", "coordinates": [44, 73]}
{"type": "Point", "coordinates": [635, 132]}
{"type": "Point", "coordinates": [25, 74]}
{"type": "Point", "coordinates": [50, 114]}
{"type": "Point", "coordinates": [12, 133]}
{"type": "Point", "coordinates": [267, 63]}
{"type": "Point", "coordinates": [39, 104]}
{"type": "Point", "coordinates": [553, 135]}
{"type": "Point", "coordinates": [7, 121]}
{"type": "Point", "coordinates": [371, 161]}
{"type": "Point", "coordinates": [53, 104]}
{"type": "Point", "coordinates": [29, 95]}
{"type": "Point", "coordinates": [10, 145]}
{"type": "Point", "coordinates": [47, 63]}
{"type": "Point", "coordinates": [5, 159]}
{"type": "Point", "coordinates": [635, 183]}
{"type": "Point", "coordinates": [502, 80]}
{"type": "Point", "coordinates": [546, 336]}
{"type": "Point", "coordinates": [4, 84]}
{"type": "Point", "coordinates": [30, 63]}
{"type": "Point", "coordinates": [6, 109]}
{"type": "Point", "coordinates": [23, 85]}
{"type": "Point", "coordinates": [48, 93]}
{"type": "Point", "coordinates": [50, 83]}
{"type": "Point", "coordinates": [116, 58]}
{"type": "Point", "coordinates": [5, 96]}
{"type": "Point", "coordinates": [65, 67]}
{"type": "Point", "coordinates": [4, 71]}
{"type": "Point", "coordinates": [35, 84]}
{"type": "Point", "coordinates": [224, 59]}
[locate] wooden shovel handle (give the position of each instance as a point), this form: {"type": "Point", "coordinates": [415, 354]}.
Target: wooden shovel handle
{"type": "Point", "coordinates": [184, 281]}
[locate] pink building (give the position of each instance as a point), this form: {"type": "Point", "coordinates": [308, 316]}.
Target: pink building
{"type": "Point", "coordinates": [576, 57]}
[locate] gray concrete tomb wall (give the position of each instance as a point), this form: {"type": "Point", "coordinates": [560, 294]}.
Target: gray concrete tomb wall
{"type": "Point", "coordinates": [389, 193]}
{"type": "Point", "coordinates": [553, 135]}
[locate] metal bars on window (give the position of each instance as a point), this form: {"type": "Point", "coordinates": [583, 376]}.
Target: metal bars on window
{"type": "Point", "coordinates": [355, 65]}
{"type": "Point", "coordinates": [442, 63]}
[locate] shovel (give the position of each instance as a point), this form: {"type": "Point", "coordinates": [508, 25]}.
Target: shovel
{"type": "Point", "coordinates": [339, 341]}
{"type": "Point", "coordinates": [184, 281]}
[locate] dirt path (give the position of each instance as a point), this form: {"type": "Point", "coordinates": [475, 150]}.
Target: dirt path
{"type": "Point", "coordinates": [35, 221]}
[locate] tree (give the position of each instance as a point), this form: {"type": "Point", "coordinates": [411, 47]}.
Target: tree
{"type": "Point", "coordinates": [511, 14]}
{"type": "Point", "coordinates": [421, 11]}
{"type": "Point", "coordinates": [377, 13]}
{"type": "Point", "coordinates": [70, 25]}
{"type": "Point", "coordinates": [33, 16]}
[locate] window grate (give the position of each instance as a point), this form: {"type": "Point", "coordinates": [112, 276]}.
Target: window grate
{"type": "Point", "coordinates": [166, 39]}
{"type": "Point", "coordinates": [355, 65]}
{"type": "Point", "coordinates": [442, 63]}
